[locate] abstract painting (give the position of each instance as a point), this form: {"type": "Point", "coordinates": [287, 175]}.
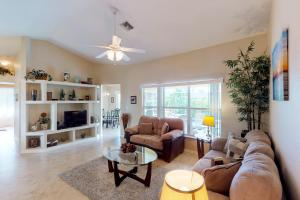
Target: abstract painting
{"type": "Point", "coordinates": [280, 68]}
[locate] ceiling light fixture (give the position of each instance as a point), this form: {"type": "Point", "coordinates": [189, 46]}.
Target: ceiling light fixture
{"type": "Point", "coordinates": [114, 51]}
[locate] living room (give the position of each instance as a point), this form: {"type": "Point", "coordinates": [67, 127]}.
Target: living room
{"type": "Point", "coordinates": [110, 100]}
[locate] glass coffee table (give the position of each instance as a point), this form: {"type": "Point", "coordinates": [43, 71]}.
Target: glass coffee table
{"type": "Point", "coordinates": [142, 156]}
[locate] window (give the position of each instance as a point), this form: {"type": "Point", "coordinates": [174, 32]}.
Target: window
{"type": "Point", "coordinates": [150, 101]}
{"type": "Point", "coordinates": [189, 102]}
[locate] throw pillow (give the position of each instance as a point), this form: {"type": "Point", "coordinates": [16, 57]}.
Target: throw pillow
{"type": "Point", "coordinates": [230, 136]}
{"type": "Point", "coordinates": [218, 178]}
{"type": "Point", "coordinates": [145, 129]}
{"type": "Point", "coordinates": [165, 128]}
{"type": "Point", "coordinates": [236, 149]}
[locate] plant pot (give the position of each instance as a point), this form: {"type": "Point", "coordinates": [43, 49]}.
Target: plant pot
{"type": "Point", "coordinates": [44, 126]}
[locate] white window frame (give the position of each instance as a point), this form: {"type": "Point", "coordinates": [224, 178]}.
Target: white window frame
{"type": "Point", "coordinates": [161, 107]}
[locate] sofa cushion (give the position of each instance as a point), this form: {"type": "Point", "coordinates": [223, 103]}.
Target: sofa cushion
{"type": "Point", "coordinates": [236, 149]}
{"type": "Point", "coordinates": [153, 120]}
{"type": "Point", "coordinates": [145, 129]}
{"type": "Point", "coordinates": [153, 141]}
{"type": "Point", "coordinates": [257, 135]}
{"type": "Point", "coordinates": [260, 147]}
{"type": "Point", "coordinates": [218, 178]}
{"type": "Point", "coordinates": [201, 165]}
{"type": "Point", "coordinates": [216, 196]}
{"type": "Point", "coordinates": [214, 154]}
{"type": "Point", "coordinates": [165, 128]}
{"type": "Point", "coordinates": [256, 179]}
{"type": "Point", "coordinates": [174, 123]}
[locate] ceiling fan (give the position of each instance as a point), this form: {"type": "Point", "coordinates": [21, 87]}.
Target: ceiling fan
{"type": "Point", "coordinates": [115, 52]}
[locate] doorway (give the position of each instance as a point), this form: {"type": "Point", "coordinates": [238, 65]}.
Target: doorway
{"type": "Point", "coordinates": [7, 113]}
{"type": "Point", "coordinates": [110, 107]}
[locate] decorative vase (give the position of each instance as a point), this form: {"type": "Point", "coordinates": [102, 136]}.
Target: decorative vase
{"type": "Point", "coordinates": [44, 126]}
{"type": "Point", "coordinates": [34, 127]}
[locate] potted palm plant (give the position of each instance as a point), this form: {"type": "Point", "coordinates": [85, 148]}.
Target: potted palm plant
{"type": "Point", "coordinates": [248, 85]}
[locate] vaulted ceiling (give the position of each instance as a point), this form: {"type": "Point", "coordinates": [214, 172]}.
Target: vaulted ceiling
{"type": "Point", "coordinates": [161, 27]}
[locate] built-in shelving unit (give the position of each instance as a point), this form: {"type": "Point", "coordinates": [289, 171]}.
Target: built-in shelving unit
{"type": "Point", "coordinates": [55, 109]}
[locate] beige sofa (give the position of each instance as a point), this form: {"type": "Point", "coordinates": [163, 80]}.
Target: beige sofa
{"type": "Point", "coordinates": [256, 177]}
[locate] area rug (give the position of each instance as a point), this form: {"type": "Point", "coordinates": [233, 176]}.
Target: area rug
{"type": "Point", "coordinates": [93, 180]}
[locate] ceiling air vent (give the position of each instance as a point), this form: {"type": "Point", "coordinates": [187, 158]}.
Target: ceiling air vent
{"type": "Point", "coordinates": [127, 26]}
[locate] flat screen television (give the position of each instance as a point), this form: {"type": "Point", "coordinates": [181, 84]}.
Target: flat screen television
{"type": "Point", "coordinates": [75, 118]}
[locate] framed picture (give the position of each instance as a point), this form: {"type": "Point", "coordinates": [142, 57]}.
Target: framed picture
{"type": "Point", "coordinates": [112, 100]}
{"type": "Point", "coordinates": [133, 99]}
{"type": "Point", "coordinates": [67, 76]}
{"type": "Point", "coordinates": [280, 68]}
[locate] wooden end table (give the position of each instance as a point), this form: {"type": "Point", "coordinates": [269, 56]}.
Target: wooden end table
{"type": "Point", "coordinates": [201, 140]}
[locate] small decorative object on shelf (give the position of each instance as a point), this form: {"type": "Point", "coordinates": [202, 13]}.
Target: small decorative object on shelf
{"type": "Point", "coordinates": [77, 79]}
{"type": "Point", "coordinates": [67, 76]}
{"type": "Point", "coordinates": [52, 142]}
{"type": "Point", "coordinates": [38, 75]}
{"type": "Point", "coordinates": [128, 148]}
{"type": "Point", "coordinates": [89, 80]}
{"type": "Point", "coordinates": [83, 135]}
{"type": "Point", "coordinates": [49, 96]}
{"type": "Point", "coordinates": [4, 71]}
{"type": "Point", "coordinates": [34, 95]}
{"type": "Point", "coordinates": [87, 97]}
{"type": "Point", "coordinates": [34, 142]}
{"type": "Point", "coordinates": [62, 95]}
{"type": "Point", "coordinates": [73, 96]}
{"type": "Point", "coordinates": [44, 121]}
{"type": "Point", "coordinates": [34, 127]}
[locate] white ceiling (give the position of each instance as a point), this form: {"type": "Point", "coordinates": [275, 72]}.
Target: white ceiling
{"type": "Point", "coordinates": [162, 27]}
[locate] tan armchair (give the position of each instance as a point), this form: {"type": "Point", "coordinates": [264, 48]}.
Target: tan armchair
{"type": "Point", "coordinates": [167, 145]}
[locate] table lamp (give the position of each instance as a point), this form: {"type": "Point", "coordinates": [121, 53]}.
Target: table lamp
{"type": "Point", "coordinates": [209, 121]}
{"type": "Point", "coordinates": [183, 185]}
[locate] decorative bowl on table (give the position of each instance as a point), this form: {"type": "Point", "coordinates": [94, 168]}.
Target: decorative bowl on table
{"type": "Point", "coordinates": [128, 148]}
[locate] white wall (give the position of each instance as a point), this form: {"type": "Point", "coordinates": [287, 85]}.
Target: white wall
{"type": "Point", "coordinates": [56, 60]}
{"type": "Point", "coordinates": [284, 116]}
{"type": "Point", "coordinates": [203, 63]}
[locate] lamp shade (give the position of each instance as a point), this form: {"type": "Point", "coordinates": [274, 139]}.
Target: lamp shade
{"type": "Point", "coordinates": [183, 185]}
{"type": "Point", "coordinates": [209, 121]}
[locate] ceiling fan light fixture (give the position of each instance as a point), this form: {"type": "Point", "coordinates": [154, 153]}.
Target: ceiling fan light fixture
{"type": "Point", "coordinates": [119, 55]}
{"type": "Point", "coordinates": [111, 55]}
{"type": "Point", "coordinates": [115, 55]}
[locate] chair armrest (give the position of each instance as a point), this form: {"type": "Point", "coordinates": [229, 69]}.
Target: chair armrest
{"type": "Point", "coordinates": [132, 130]}
{"type": "Point", "coordinates": [172, 135]}
{"type": "Point", "coordinates": [218, 144]}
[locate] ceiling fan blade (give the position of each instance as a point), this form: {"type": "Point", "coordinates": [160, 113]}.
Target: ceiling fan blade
{"type": "Point", "coordinates": [102, 55]}
{"type": "Point", "coordinates": [133, 50]}
{"type": "Point", "coordinates": [100, 46]}
{"type": "Point", "coordinates": [126, 58]}
{"type": "Point", "coordinates": [116, 41]}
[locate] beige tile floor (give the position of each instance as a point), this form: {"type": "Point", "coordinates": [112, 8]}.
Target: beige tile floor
{"type": "Point", "coordinates": [35, 176]}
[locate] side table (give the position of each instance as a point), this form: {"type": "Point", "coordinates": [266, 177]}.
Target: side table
{"type": "Point", "coordinates": [201, 140]}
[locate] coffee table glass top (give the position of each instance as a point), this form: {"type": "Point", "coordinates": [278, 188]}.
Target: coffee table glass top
{"type": "Point", "coordinates": [141, 156]}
